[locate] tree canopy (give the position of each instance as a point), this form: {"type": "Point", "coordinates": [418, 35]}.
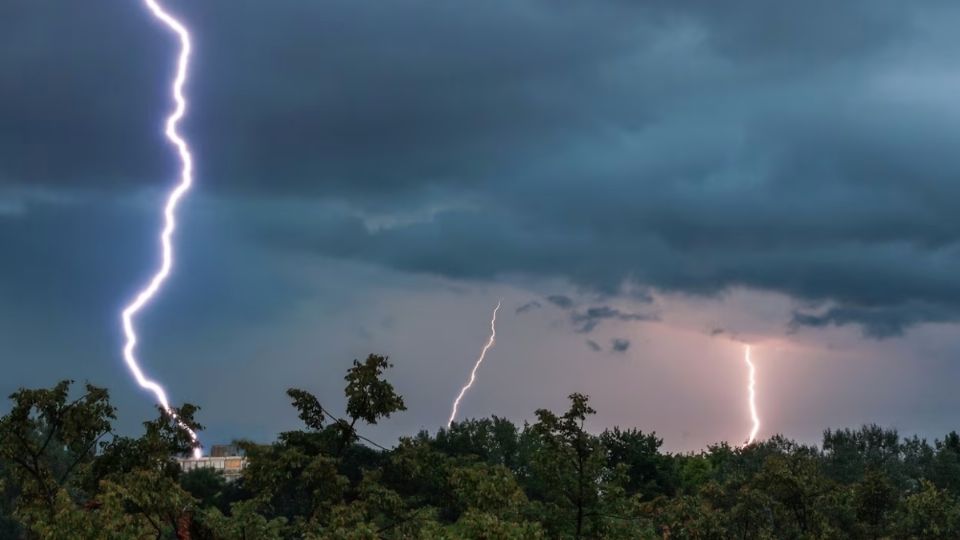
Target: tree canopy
{"type": "Point", "coordinates": [65, 474]}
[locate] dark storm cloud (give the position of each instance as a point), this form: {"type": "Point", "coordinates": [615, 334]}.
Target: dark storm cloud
{"type": "Point", "coordinates": [529, 306]}
{"type": "Point", "coordinates": [877, 322]}
{"type": "Point", "coordinates": [803, 148]}
{"type": "Point", "coordinates": [79, 102]}
{"type": "Point", "coordinates": [620, 345]}
{"type": "Point", "coordinates": [561, 301]}
{"type": "Point", "coordinates": [93, 255]}
{"type": "Point", "coordinates": [588, 320]}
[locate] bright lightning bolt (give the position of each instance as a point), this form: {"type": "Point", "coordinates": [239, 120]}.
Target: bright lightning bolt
{"type": "Point", "coordinates": [170, 222]}
{"type": "Point", "coordinates": [473, 374]}
{"type": "Point", "coordinates": [751, 391]}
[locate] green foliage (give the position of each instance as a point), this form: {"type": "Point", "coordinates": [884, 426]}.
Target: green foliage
{"type": "Point", "coordinates": [311, 412]}
{"type": "Point", "coordinates": [930, 513]}
{"type": "Point", "coordinates": [649, 473]}
{"type": "Point", "coordinates": [495, 441]}
{"type": "Point", "coordinates": [211, 489]}
{"type": "Point", "coordinates": [74, 479]}
{"type": "Point", "coordinates": [65, 475]}
{"type": "Point", "coordinates": [243, 522]}
{"type": "Point", "coordinates": [9, 527]}
{"type": "Point", "coordinates": [46, 438]}
{"type": "Point", "coordinates": [369, 396]}
{"type": "Point", "coordinates": [848, 454]}
{"type": "Point", "coordinates": [488, 489]}
{"type": "Point", "coordinates": [566, 471]}
{"type": "Point", "coordinates": [945, 464]}
{"type": "Point", "coordinates": [489, 526]}
{"type": "Point", "coordinates": [874, 500]}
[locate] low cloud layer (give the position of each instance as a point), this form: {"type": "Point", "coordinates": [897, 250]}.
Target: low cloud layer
{"type": "Point", "coordinates": [561, 301]}
{"type": "Point", "coordinates": [586, 321]}
{"type": "Point", "coordinates": [620, 345]}
{"type": "Point", "coordinates": [529, 306]}
{"type": "Point", "coordinates": [806, 149]}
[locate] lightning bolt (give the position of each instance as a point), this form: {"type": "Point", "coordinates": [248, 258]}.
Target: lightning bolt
{"type": "Point", "coordinates": [473, 374]}
{"type": "Point", "coordinates": [149, 291]}
{"type": "Point", "coordinates": [751, 392]}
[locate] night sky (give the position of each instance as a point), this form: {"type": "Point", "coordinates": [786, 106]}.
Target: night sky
{"type": "Point", "coordinates": [647, 185]}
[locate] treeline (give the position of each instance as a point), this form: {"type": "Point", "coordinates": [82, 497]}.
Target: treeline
{"type": "Point", "coordinates": [66, 475]}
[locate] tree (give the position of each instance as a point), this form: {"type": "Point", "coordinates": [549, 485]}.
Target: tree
{"type": "Point", "coordinates": [210, 488]}
{"type": "Point", "coordinates": [73, 481]}
{"type": "Point", "coordinates": [369, 398]}
{"type": "Point", "coordinates": [930, 513]}
{"type": "Point", "coordinates": [490, 489]}
{"type": "Point", "coordinates": [45, 438]}
{"type": "Point", "coordinates": [650, 474]}
{"type": "Point", "coordinates": [793, 481]}
{"type": "Point", "coordinates": [9, 528]}
{"type": "Point", "coordinates": [65, 475]}
{"type": "Point", "coordinates": [684, 517]}
{"type": "Point", "coordinates": [874, 499]}
{"type": "Point", "coordinates": [568, 469]}
{"type": "Point", "coordinates": [306, 477]}
{"type": "Point", "coordinates": [945, 466]}
{"type": "Point", "coordinates": [848, 454]}
{"type": "Point", "coordinates": [494, 441]}
{"type": "Point", "coordinates": [244, 522]}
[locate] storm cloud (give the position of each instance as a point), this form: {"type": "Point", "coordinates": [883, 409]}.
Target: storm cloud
{"type": "Point", "coordinates": [806, 149]}
{"type": "Point", "coordinates": [586, 321]}
{"type": "Point", "coordinates": [561, 301]}
{"type": "Point", "coordinates": [529, 306]}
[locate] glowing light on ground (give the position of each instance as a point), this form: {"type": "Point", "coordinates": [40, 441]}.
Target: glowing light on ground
{"type": "Point", "coordinates": [150, 290]}
{"type": "Point", "coordinates": [752, 394]}
{"type": "Point", "coordinates": [473, 374]}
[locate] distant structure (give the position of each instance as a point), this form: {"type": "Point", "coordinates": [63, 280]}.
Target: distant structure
{"type": "Point", "coordinates": [226, 458]}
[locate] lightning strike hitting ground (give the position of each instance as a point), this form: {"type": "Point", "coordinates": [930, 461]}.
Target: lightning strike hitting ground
{"type": "Point", "coordinates": [145, 295]}
{"type": "Point", "coordinates": [751, 391]}
{"type": "Point", "coordinates": [473, 374]}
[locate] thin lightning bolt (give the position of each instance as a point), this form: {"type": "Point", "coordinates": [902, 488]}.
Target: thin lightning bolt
{"type": "Point", "coordinates": [170, 222]}
{"type": "Point", "coordinates": [473, 374]}
{"type": "Point", "coordinates": [751, 390]}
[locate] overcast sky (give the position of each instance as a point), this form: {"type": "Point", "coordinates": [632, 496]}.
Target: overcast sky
{"type": "Point", "coordinates": [646, 185]}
